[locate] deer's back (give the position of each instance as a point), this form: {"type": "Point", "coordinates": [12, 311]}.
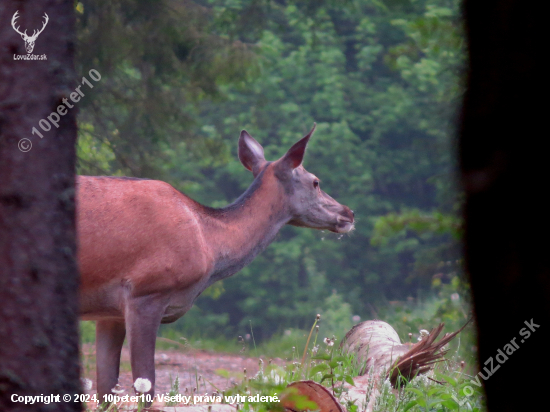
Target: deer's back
{"type": "Point", "coordinates": [136, 237]}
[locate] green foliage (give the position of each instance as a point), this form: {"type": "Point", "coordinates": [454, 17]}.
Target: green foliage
{"type": "Point", "coordinates": [336, 316]}
{"type": "Point", "coordinates": [174, 390]}
{"type": "Point", "coordinates": [199, 324]}
{"type": "Point", "coordinates": [443, 397]}
{"type": "Point", "coordinates": [156, 59]}
{"type": "Point", "coordinates": [394, 224]}
{"type": "Point", "coordinates": [87, 332]}
{"type": "Point", "coordinates": [448, 303]}
{"type": "Point", "coordinates": [447, 389]}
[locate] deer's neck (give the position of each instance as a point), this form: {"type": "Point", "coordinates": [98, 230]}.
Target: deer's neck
{"type": "Point", "coordinates": [239, 232]}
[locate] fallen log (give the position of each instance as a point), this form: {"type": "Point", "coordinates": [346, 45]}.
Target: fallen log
{"type": "Point", "coordinates": [377, 344]}
{"type": "Point", "coordinates": [384, 357]}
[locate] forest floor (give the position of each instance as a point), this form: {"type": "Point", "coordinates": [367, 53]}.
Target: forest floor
{"type": "Point", "coordinates": [199, 371]}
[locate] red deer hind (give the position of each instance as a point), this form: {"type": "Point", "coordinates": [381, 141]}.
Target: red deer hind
{"type": "Point", "coordinates": [147, 251]}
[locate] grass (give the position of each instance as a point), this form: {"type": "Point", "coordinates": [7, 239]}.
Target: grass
{"type": "Point", "coordinates": [326, 365]}
{"type": "Point", "coordinates": [404, 317]}
{"type": "Point", "coordinates": [447, 389]}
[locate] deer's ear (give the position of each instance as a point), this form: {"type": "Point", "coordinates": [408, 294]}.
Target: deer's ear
{"type": "Point", "coordinates": [251, 153]}
{"type": "Point", "coordinates": [295, 155]}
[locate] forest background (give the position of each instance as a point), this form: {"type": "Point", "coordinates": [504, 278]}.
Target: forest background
{"type": "Point", "coordinates": [382, 80]}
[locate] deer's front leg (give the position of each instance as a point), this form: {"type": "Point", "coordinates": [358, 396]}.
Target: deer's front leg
{"type": "Point", "coordinates": [109, 339]}
{"type": "Point", "coordinates": [143, 316]}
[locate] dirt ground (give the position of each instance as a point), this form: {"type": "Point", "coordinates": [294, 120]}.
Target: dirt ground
{"type": "Point", "coordinates": [197, 370]}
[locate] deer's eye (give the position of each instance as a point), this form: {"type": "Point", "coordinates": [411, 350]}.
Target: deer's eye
{"type": "Point", "coordinates": [315, 184]}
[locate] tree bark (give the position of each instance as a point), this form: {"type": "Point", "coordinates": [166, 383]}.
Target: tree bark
{"type": "Point", "coordinates": [38, 270]}
{"type": "Point", "coordinates": [504, 172]}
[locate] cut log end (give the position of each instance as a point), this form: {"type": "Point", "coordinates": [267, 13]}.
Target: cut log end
{"type": "Point", "coordinates": [314, 392]}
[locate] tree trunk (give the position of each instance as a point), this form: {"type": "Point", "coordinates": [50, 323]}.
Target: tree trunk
{"type": "Point", "coordinates": [504, 171]}
{"type": "Point", "coordinates": [38, 270]}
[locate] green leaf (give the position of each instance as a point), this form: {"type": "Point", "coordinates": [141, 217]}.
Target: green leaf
{"type": "Point", "coordinates": [417, 391]}
{"type": "Point", "coordinates": [434, 402]}
{"type": "Point", "coordinates": [449, 403]}
{"type": "Point", "coordinates": [339, 358]}
{"type": "Point", "coordinates": [433, 391]}
{"type": "Point", "coordinates": [333, 364]}
{"type": "Point", "coordinates": [318, 368]}
{"type": "Point", "coordinates": [422, 402]}
{"type": "Point", "coordinates": [349, 380]}
{"type": "Point", "coordinates": [410, 405]}
{"type": "Point", "coordinates": [327, 376]}
{"type": "Point", "coordinates": [322, 356]}
{"type": "Point", "coordinates": [452, 381]}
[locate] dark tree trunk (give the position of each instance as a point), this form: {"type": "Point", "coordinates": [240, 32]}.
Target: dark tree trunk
{"type": "Point", "coordinates": [504, 170]}
{"type": "Point", "coordinates": [38, 270]}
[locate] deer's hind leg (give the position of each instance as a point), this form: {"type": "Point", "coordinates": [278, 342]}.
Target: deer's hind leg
{"type": "Point", "coordinates": [109, 339]}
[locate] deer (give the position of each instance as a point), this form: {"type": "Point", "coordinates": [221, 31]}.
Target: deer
{"type": "Point", "coordinates": [146, 251]}
{"type": "Point", "coordinates": [29, 40]}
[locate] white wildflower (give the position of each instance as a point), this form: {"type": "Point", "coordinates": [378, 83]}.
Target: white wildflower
{"type": "Point", "coordinates": [328, 342]}
{"type": "Point", "coordinates": [86, 384]}
{"type": "Point", "coordinates": [142, 385]}
{"type": "Point", "coordinates": [117, 389]}
{"type": "Point", "coordinates": [276, 377]}
{"type": "Point", "coordinates": [420, 380]}
{"type": "Point", "coordinates": [423, 333]}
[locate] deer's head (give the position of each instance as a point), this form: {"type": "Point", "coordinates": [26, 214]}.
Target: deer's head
{"type": "Point", "coordinates": [300, 190]}
{"type": "Point", "coordinates": [29, 40]}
